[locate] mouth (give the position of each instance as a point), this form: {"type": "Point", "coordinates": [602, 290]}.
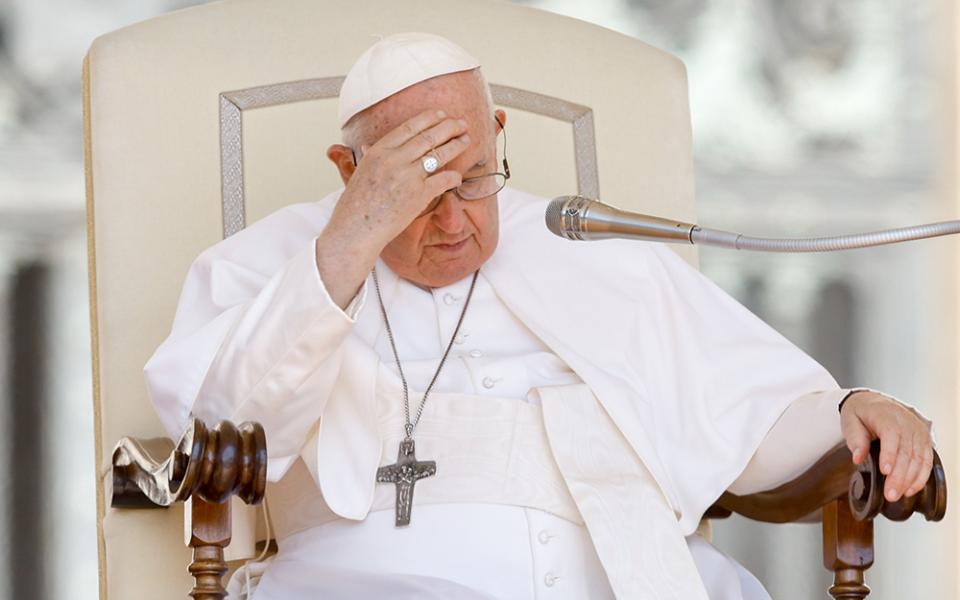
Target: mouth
{"type": "Point", "coordinates": [451, 247]}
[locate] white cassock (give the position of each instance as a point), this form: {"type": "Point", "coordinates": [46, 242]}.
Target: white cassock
{"type": "Point", "coordinates": [598, 399]}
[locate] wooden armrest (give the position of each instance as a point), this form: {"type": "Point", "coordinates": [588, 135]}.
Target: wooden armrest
{"type": "Point", "coordinates": [834, 477]}
{"type": "Point", "coordinates": [846, 497]}
{"type": "Point", "coordinates": [212, 464]}
{"type": "Point", "coordinates": [207, 466]}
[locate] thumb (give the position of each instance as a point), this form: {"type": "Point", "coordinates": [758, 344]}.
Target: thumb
{"type": "Point", "coordinates": [857, 435]}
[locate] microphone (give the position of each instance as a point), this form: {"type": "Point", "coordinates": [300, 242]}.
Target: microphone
{"type": "Point", "coordinates": [582, 219]}
{"type": "Point", "coordinates": [579, 218]}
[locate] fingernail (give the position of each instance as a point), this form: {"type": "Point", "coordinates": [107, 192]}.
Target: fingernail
{"type": "Point", "coordinates": [892, 494]}
{"type": "Point", "coordinates": [856, 452]}
{"type": "Point", "coordinates": [441, 114]}
{"type": "Point", "coordinates": [886, 469]}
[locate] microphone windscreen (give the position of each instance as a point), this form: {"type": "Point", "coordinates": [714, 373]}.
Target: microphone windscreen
{"type": "Point", "coordinates": [553, 215]}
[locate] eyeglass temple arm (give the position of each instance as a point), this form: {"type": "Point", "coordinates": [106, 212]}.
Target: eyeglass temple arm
{"type": "Point", "coordinates": [506, 166]}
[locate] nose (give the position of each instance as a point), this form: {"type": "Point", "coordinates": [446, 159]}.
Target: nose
{"type": "Point", "coordinates": [449, 215]}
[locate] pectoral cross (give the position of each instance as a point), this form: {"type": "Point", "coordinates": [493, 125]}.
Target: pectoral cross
{"type": "Point", "coordinates": [404, 473]}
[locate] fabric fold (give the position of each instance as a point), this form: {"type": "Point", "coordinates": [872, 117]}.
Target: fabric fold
{"type": "Point", "coordinates": [633, 528]}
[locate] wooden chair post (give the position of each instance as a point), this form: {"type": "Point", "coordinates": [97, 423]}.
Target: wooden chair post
{"type": "Point", "coordinates": [207, 467]}
{"type": "Point", "coordinates": [847, 550]}
{"type": "Point", "coordinates": [209, 535]}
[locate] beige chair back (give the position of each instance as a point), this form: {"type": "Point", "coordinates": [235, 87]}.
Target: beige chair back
{"type": "Point", "coordinates": [209, 118]}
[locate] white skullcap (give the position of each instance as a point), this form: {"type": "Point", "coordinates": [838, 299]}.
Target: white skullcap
{"type": "Point", "coordinates": [397, 62]}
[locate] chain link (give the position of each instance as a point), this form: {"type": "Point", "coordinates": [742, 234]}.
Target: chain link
{"type": "Point", "coordinates": [409, 426]}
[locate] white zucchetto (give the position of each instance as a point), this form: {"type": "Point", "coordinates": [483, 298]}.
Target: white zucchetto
{"type": "Point", "coordinates": [396, 62]}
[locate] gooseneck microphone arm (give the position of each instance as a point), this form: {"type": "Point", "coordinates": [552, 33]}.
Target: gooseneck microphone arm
{"type": "Point", "coordinates": [579, 218]}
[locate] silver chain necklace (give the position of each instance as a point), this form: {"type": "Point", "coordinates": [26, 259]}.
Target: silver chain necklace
{"type": "Point", "coordinates": [408, 470]}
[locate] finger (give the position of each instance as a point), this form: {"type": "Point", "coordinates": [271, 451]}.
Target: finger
{"type": "Point", "coordinates": [452, 149]}
{"type": "Point", "coordinates": [896, 481]}
{"type": "Point", "coordinates": [438, 183]}
{"type": "Point", "coordinates": [889, 446]}
{"type": "Point", "coordinates": [857, 436]}
{"type": "Point", "coordinates": [432, 138]}
{"type": "Point", "coordinates": [410, 128]}
{"type": "Point", "coordinates": [913, 470]}
{"type": "Point", "coordinates": [926, 466]}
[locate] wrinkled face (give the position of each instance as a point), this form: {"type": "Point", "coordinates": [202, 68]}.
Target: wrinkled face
{"type": "Point", "coordinates": [451, 241]}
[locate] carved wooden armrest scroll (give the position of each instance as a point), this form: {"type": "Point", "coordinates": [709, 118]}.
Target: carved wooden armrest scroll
{"type": "Point", "coordinates": [846, 497]}
{"type": "Point", "coordinates": [207, 466]}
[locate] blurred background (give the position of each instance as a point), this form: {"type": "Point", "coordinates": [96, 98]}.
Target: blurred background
{"type": "Point", "coordinates": [812, 117]}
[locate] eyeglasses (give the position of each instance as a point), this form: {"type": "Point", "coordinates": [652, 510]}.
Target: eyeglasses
{"type": "Point", "coordinates": [475, 188]}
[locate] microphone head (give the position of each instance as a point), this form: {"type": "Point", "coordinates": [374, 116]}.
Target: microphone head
{"type": "Point", "coordinates": [552, 216]}
{"type": "Point", "coordinates": [563, 216]}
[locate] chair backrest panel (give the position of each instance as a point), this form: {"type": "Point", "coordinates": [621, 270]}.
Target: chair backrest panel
{"type": "Point", "coordinates": [154, 93]}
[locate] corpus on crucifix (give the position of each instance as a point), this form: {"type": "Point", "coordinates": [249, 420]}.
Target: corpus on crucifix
{"type": "Point", "coordinates": [405, 473]}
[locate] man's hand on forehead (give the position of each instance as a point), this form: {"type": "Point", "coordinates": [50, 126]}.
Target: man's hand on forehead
{"type": "Point", "coordinates": [386, 191]}
{"type": "Point", "coordinates": [391, 177]}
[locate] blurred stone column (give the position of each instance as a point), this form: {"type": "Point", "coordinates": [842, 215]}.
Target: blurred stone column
{"type": "Point", "coordinates": [6, 485]}
{"type": "Point", "coordinates": [28, 378]}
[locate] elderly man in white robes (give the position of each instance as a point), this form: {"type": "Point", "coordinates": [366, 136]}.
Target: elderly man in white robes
{"type": "Point", "coordinates": [450, 414]}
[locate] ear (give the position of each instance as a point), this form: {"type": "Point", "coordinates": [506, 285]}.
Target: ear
{"type": "Point", "coordinates": [501, 118]}
{"type": "Point", "coordinates": [342, 158]}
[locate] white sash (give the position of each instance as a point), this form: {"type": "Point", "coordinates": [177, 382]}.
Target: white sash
{"type": "Point", "coordinates": [488, 450]}
{"type": "Point", "coordinates": [566, 458]}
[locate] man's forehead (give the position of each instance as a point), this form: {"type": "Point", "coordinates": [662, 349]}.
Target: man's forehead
{"type": "Point", "coordinates": [459, 95]}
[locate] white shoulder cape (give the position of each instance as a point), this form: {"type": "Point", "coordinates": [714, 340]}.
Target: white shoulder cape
{"type": "Point", "coordinates": [692, 379]}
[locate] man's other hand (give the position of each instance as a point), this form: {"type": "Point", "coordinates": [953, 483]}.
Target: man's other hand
{"type": "Point", "coordinates": [906, 442]}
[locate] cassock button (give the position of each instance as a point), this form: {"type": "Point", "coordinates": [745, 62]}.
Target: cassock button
{"type": "Point", "coordinates": [549, 579]}
{"type": "Point", "coordinates": [544, 536]}
{"type": "Point", "coordinates": [489, 382]}
{"type": "Point", "coordinates": [476, 353]}
{"type": "Point", "coordinates": [461, 338]}
{"type": "Point", "coordinates": [449, 299]}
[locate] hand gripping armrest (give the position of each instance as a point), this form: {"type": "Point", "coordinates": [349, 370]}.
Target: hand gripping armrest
{"type": "Point", "coordinates": [836, 477]}
{"type": "Point", "coordinates": [846, 498]}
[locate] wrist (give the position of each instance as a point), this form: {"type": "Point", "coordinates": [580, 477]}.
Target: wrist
{"type": "Point", "coordinates": [863, 396]}
{"type": "Point", "coordinates": [342, 266]}
{"type": "Point", "coordinates": [361, 234]}
{"type": "Point", "coordinates": [844, 402]}
{"type": "Point", "coordinates": [350, 242]}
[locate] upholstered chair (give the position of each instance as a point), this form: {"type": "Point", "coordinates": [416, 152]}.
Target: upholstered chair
{"type": "Point", "coordinates": [200, 122]}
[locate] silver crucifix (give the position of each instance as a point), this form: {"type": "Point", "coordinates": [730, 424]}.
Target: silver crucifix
{"type": "Point", "coordinates": [404, 473]}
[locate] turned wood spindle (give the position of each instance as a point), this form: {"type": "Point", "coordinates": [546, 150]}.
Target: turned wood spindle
{"type": "Point", "coordinates": [209, 535]}
{"type": "Point", "coordinates": [847, 550]}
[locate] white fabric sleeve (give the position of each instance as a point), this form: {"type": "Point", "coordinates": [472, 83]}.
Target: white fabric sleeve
{"type": "Point", "coordinates": [242, 345]}
{"type": "Point", "coordinates": [807, 429]}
